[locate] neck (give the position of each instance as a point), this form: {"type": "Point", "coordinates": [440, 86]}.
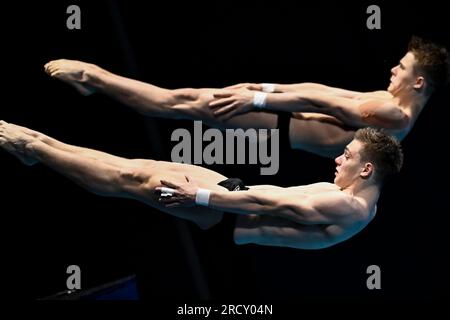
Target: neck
{"type": "Point", "coordinates": [365, 189]}
{"type": "Point", "coordinates": [411, 99]}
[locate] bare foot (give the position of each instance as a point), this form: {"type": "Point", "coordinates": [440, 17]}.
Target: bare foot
{"type": "Point", "coordinates": [28, 131]}
{"type": "Point", "coordinates": [72, 72]}
{"type": "Point", "coordinates": [15, 141]}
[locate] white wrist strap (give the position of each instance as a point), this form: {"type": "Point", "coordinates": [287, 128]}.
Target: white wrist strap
{"type": "Point", "coordinates": [202, 197]}
{"type": "Point", "coordinates": [268, 87]}
{"type": "Point", "coordinates": [259, 100]}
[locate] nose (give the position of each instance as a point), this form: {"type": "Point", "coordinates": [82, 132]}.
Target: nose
{"type": "Point", "coordinates": [394, 70]}
{"type": "Point", "coordinates": [338, 160]}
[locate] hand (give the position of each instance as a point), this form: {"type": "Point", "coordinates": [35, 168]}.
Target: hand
{"type": "Point", "coordinates": [183, 196]}
{"type": "Point", "coordinates": [247, 85]}
{"type": "Point", "coordinates": [229, 103]}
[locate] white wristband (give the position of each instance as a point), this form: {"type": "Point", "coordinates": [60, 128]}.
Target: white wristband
{"type": "Point", "coordinates": [259, 100]}
{"type": "Point", "coordinates": [202, 197]}
{"type": "Point", "coordinates": [268, 87]}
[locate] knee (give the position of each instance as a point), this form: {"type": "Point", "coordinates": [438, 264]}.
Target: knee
{"type": "Point", "coordinates": [132, 180]}
{"type": "Point", "coordinates": [185, 95]}
{"type": "Point", "coordinates": [191, 103]}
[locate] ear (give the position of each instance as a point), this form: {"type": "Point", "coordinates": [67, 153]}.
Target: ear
{"type": "Point", "coordinates": [367, 171]}
{"type": "Point", "coordinates": [420, 82]}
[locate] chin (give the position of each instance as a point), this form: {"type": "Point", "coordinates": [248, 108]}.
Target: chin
{"type": "Point", "coordinates": [339, 182]}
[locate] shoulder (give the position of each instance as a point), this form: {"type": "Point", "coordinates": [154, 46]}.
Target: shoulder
{"type": "Point", "coordinates": [384, 113]}
{"type": "Point", "coordinates": [338, 203]}
{"type": "Point", "coordinates": [375, 95]}
{"type": "Point", "coordinates": [324, 186]}
{"type": "Point", "coordinates": [373, 104]}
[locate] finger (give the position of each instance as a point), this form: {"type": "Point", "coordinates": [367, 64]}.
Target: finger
{"type": "Point", "coordinates": [169, 184]}
{"type": "Point", "coordinates": [225, 110]}
{"type": "Point", "coordinates": [237, 85]}
{"type": "Point", "coordinates": [177, 204]}
{"type": "Point", "coordinates": [254, 87]}
{"type": "Point", "coordinates": [221, 102]}
{"type": "Point", "coordinates": [169, 204]}
{"type": "Point", "coordinates": [170, 191]}
{"type": "Point", "coordinates": [223, 94]}
{"type": "Point", "coordinates": [168, 200]}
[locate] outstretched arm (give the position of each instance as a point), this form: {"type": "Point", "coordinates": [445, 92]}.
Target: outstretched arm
{"type": "Point", "coordinates": [351, 112]}
{"type": "Point", "coordinates": [327, 208]}
{"type": "Point", "coordinates": [296, 87]}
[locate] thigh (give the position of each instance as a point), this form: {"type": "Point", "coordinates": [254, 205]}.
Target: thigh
{"type": "Point", "coordinates": [175, 172]}
{"type": "Point", "coordinates": [320, 135]}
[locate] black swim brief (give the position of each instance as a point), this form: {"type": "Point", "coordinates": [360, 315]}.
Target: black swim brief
{"type": "Point", "coordinates": [233, 184]}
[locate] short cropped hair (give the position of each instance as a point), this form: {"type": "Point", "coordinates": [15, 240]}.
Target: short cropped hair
{"type": "Point", "coordinates": [432, 61]}
{"type": "Point", "coordinates": [382, 149]}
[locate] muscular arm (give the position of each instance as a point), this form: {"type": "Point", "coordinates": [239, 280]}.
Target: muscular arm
{"type": "Point", "coordinates": [320, 88]}
{"type": "Point", "coordinates": [324, 208]}
{"type": "Point", "coordinates": [299, 87]}
{"type": "Point", "coordinates": [351, 112]}
{"type": "Point", "coordinates": [332, 210]}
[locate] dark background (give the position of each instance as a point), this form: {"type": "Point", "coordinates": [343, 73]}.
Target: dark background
{"type": "Point", "coordinates": [51, 223]}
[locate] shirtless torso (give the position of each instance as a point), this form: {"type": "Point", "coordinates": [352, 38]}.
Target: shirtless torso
{"type": "Point", "coordinates": [273, 230]}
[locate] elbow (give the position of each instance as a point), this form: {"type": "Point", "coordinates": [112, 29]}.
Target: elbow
{"type": "Point", "coordinates": [270, 209]}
